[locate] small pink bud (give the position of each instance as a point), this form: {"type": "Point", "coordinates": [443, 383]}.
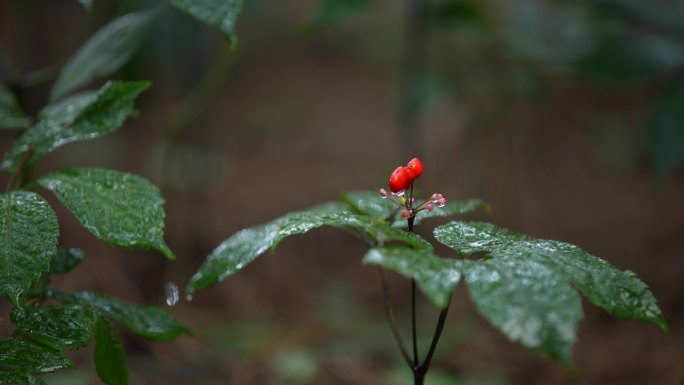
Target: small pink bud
{"type": "Point", "coordinates": [441, 202]}
{"type": "Point", "coordinates": [429, 207]}
{"type": "Point", "coordinates": [383, 193]}
{"type": "Point", "coordinates": [435, 197]}
{"type": "Point", "coordinates": [413, 200]}
{"type": "Point", "coordinates": [405, 213]}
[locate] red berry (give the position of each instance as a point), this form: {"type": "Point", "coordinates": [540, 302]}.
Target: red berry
{"type": "Point", "coordinates": [399, 180]}
{"type": "Point", "coordinates": [414, 168]}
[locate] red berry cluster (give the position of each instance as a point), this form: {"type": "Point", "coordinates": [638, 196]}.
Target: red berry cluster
{"type": "Point", "coordinates": [401, 180]}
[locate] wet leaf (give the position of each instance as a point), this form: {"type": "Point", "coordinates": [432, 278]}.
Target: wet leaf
{"type": "Point", "coordinates": [110, 357]}
{"type": "Point", "coordinates": [18, 378]}
{"type": "Point", "coordinates": [243, 247]}
{"type": "Point", "coordinates": [105, 52]}
{"type": "Point", "coordinates": [618, 292]}
{"type": "Point", "coordinates": [119, 208]}
{"type": "Point", "coordinates": [530, 303]}
{"type": "Point", "coordinates": [221, 14]}
{"type": "Point", "coordinates": [147, 321]}
{"type": "Point", "coordinates": [451, 208]}
{"type": "Point", "coordinates": [370, 203]}
{"type": "Point", "coordinates": [11, 115]}
{"type": "Point", "coordinates": [66, 260]}
{"type": "Point", "coordinates": [31, 357]}
{"type": "Point", "coordinates": [64, 326]}
{"type": "Point", "coordinates": [80, 117]}
{"type": "Point", "coordinates": [436, 277]}
{"type": "Point", "coordinates": [28, 237]}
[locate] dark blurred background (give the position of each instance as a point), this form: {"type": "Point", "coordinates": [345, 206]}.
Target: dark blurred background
{"type": "Point", "coordinates": [566, 116]}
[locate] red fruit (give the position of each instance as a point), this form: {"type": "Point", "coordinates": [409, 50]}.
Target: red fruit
{"type": "Point", "coordinates": [414, 168]}
{"type": "Point", "coordinates": [399, 180]}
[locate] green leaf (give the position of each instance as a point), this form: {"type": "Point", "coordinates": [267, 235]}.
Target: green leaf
{"type": "Point", "coordinates": [104, 53]}
{"type": "Point", "coordinates": [370, 203]}
{"type": "Point", "coordinates": [436, 277]}
{"type": "Point", "coordinates": [19, 378]}
{"type": "Point", "coordinates": [64, 326]}
{"type": "Point", "coordinates": [618, 292]}
{"type": "Point", "coordinates": [11, 115]}
{"type": "Point", "coordinates": [30, 357]}
{"type": "Point", "coordinates": [28, 237]}
{"type": "Point", "coordinates": [451, 208]}
{"type": "Point", "coordinates": [243, 247]}
{"type": "Point", "coordinates": [217, 13]}
{"type": "Point", "coordinates": [331, 11]}
{"type": "Point", "coordinates": [66, 260]}
{"type": "Point", "coordinates": [530, 303]}
{"type": "Point", "coordinates": [110, 357]}
{"type": "Point", "coordinates": [665, 130]}
{"type": "Point", "coordinates": [149, 322]}
{"type": "Point", "coordinates": [78, 118]}
{"type": "Point", "coordinates": [119, 208]}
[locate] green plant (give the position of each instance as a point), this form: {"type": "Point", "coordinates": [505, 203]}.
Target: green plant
{"type": "Point", "coordinates": [121, 209]}
{"type": "Point", "coordinates": [526, 287]}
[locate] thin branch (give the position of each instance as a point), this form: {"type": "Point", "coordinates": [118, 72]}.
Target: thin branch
{"type": "Point", "coordinates": [20, 167]}
{"type": "Point", "coordinates": [435, 338]}
{"type": "Point", "coordinates": [413, 324]}
{"type": "Point", "coordinates": [390, 317]}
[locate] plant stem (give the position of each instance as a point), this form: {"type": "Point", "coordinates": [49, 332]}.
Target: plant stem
{"type": "Point", "coordinates": [435, 338]}
{"type": "Point", "coordinates": [20, 168]}
{"type": "Point", "coordinates": [413, 323]}
{"type": "Point", "coordinates": [390, 317]}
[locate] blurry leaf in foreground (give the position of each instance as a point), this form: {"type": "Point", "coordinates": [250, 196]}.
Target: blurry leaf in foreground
{"type": "Point", "coordinates": [104, 52]}
{"type": "Point", "coordinates": [79, 117]}
{"type": "Point", "coordinates": [331, 11]}
{"type": "Point", "coordinates": [665, 130]}
{"type": "Point", "coordinates": [11, 115]}
{"type": "Point", "coordinates": [221, 14]}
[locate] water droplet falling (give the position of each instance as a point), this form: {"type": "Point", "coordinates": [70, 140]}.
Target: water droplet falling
{"type": "Point", "coordinates": [171, 290]}
{"type": "Point", "coordinates": [188, 297]}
